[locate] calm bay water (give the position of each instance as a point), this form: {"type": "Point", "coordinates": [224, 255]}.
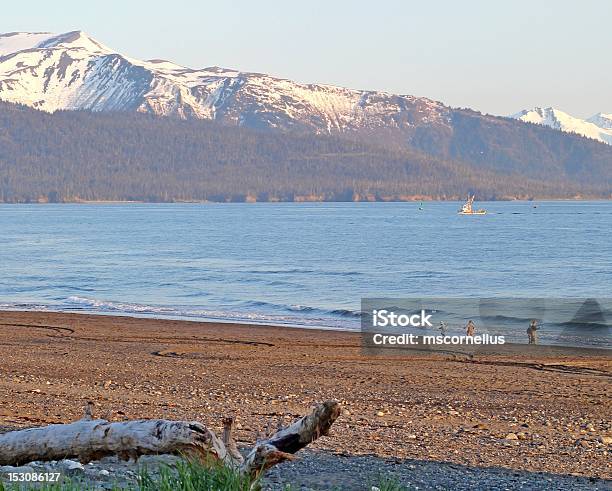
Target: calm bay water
{"type": "Point", "coordinates": [296, 264]}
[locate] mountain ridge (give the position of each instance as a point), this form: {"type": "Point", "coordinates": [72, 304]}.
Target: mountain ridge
{"type": "Point", "coordinates": [74, 71]}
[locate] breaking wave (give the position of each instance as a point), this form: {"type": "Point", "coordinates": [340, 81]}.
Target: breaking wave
{"type": "Point", "coordinates": [256, 312]}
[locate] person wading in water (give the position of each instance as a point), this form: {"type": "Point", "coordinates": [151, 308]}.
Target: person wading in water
{"type": "Point", "coordinates": [443, 328]}
{"type": "Point", "coordinates": [532, 332]}
{"type": "Point", "coordinates": [470, 329]}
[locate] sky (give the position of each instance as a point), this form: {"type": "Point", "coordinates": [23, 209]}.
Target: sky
{"type": "Point", "coordinates": [494, 56]}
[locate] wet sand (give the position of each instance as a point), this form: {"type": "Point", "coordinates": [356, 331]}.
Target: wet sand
{"type": "Point", "coordinates": [430, 407]}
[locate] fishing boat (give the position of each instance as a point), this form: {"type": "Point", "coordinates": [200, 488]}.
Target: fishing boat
{"type": "Point", "coordinates": [468, 208]}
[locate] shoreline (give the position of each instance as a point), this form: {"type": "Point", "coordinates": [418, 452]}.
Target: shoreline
{"type": "Point", "coordinates": [436, 407]}
{"type": "Point", "coordinates": [178, 318]}
{"type": "Point", "coordinates": [508, 348]}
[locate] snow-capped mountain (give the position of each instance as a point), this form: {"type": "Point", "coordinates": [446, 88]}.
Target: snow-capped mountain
{"type": "Point", "coordinates": [598, 127]}
{"type": "Point", "coordinates": [73, 71]}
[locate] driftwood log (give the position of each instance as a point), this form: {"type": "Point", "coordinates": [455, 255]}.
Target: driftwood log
{"type": "Point", "coordinates": [90, 439]}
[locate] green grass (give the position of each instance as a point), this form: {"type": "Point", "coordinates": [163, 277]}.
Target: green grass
{"type": "Point", "coordinates": [191, 476]}
{"type": "Point", "coordinates": [185, 476]}
{"type": "Point", "coordinates": [65, 485]}
{"type": "Point", "coordinates": [386, 483]}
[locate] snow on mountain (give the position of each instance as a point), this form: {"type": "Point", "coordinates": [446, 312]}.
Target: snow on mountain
{"type": "Point", "coordinates": [602, 120]}
{"type": "Point", "coordinates": [73, 71]}
{"type": "Point", "coordinates": [67, 71]}
{"type": "Point", "coordinates": [599, 127]}
{"type": "Point", "coordinates": [18, 41]}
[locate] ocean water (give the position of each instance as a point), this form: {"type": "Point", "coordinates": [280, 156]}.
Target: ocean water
{"type": "Point", "coordinates": [302, 265]}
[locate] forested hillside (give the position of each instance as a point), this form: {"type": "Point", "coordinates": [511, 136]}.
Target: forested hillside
{"type": "Point", "coordinates": [73, 156]}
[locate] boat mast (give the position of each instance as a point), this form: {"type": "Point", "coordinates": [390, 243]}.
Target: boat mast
{"type": "Point", "coordinates": [467, 207]}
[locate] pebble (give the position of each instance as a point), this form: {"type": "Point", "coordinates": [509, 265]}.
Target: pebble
{"type": "Point", "coordinates": [71, 465]}
{"type": "Point", "coordinates": [511, 436]}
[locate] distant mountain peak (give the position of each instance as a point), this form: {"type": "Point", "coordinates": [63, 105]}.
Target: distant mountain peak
{"type": "Point", "coordinates": [74, 39]}
{"type": "Point", "coordinates": [602, 120]}
{"type": "Point", "coordinates": [598, 127]}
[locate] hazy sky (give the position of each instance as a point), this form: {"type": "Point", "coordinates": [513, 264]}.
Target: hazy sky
{"type": "Point", "coordinates": [494, 56]}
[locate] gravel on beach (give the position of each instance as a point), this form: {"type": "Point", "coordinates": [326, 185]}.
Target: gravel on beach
{"type": "Point", "coordinates": [327, 471]}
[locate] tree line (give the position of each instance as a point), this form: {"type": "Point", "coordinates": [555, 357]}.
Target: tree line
{"type": "Point", "coordinates": [75, 155]}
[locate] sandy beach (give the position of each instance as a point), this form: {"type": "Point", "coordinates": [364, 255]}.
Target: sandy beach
{"type": "Point", "coordinates": [550, 415]}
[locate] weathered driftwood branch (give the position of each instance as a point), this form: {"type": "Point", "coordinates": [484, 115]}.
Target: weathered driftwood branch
{"type": "Point", "coordinates": [287, 441]}
{"type": "Point", "coordinates": [91, 439]}
{"type": "Point", "coordinates": [228, 440]}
